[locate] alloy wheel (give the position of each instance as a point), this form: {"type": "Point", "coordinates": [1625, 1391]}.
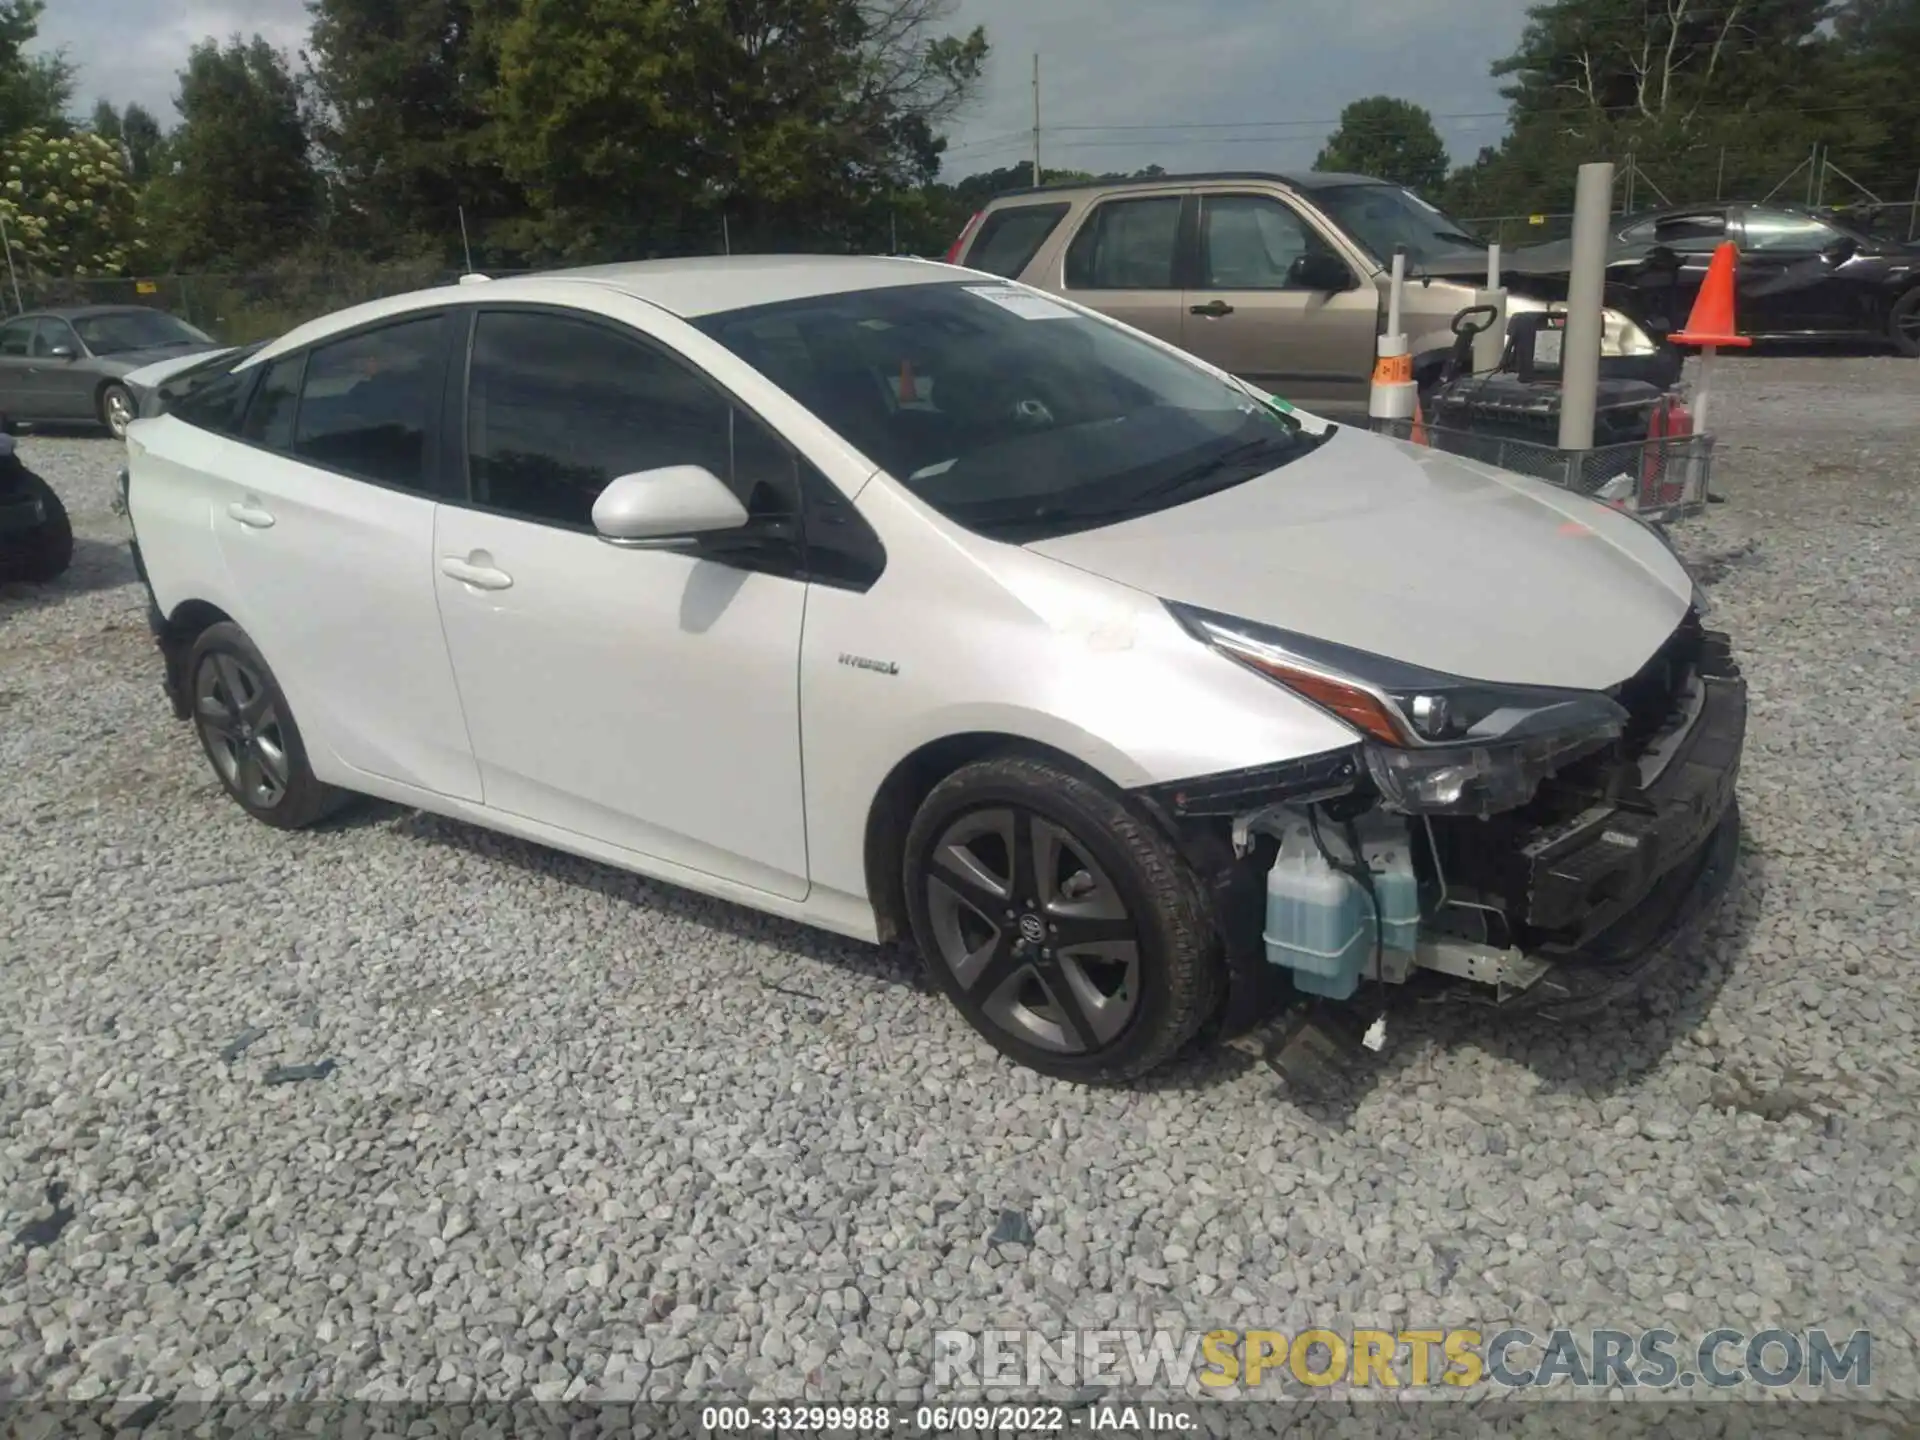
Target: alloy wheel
{"type": "Point", "coordinates": [1034, 931]}
{"type": "Point", "coordinates": [241, 729]}
{"type": "Point", "coordinates": [1909, 324]}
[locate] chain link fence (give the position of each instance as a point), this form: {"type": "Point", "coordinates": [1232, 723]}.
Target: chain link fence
{"type": "Point", "coordinates": [237, 309]}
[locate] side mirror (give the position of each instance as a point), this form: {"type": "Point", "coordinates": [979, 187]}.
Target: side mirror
{"type": "Point", "coordinates": [653, 508]}
{"type": "Point", "coordinates": [60, 352]}
{"type": "Point", "coordinates": [1841, 250]}
{"type": "Point", "coordinates": [1321, 273]}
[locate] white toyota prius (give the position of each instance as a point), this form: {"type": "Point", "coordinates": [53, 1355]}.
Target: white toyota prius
{"type": "Point", "coordinates": [902, 600]}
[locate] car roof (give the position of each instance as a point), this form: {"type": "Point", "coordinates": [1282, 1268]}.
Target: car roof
{"type": "Point", "coordinates": [1305, 180]}
{"type": "Point", "coordinates": [83, 312]}
{"type": "Point", "coordinates": [687, 288]}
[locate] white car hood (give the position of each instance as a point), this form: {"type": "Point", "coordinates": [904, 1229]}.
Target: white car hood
{"type": "Point", "coordinates": [1414, 554]}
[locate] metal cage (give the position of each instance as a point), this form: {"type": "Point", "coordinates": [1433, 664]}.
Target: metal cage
{"type": "Point", "coordinates": [1660, 478]}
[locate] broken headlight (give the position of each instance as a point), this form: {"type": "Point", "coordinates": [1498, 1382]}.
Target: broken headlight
{"type": "Point", "coordinates": [1437, 744]}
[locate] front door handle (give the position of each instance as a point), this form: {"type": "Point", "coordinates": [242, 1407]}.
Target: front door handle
{"type": "Point", "coordinates": [481, 577]}
{"type": "Point", "coordinates": [252, 516]}
{"type": "Point", "coordinates": [1213, 309]}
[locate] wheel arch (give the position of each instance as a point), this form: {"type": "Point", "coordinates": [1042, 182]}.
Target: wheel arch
{"type": "Point", "coordinates": [906, 788]}
{"type": "Point", "coordinates": [175, 633]}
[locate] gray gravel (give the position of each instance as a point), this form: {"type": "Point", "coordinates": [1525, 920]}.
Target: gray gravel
{"type": "Point", "coordinates": [571, 1133]}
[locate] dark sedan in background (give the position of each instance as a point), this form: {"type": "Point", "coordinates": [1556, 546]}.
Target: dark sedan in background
{"type": "Point", "coordinates": [69, 366]}
{"type": "Point", "coordinates": [1802, 275]}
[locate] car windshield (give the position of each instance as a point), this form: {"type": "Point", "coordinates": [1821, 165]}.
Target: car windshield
{"type": "Point", "coordinates": [1384, 217]}
{"type": "Point", "coordinates": [120, 331]}
{"type": "Point", "coordinates": [1014, 415]}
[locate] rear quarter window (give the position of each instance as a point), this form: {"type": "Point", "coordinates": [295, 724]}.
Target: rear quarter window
{"type": "Point", "coordinates": [208, 400]}
{"type": "Point", "coordinates": [1009, 239]}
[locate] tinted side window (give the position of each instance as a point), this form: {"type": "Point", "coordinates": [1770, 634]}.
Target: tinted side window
{"type": "Point", "coordinates": [367, 403]}
{"type": "Point", "coordinates": [558, 408]}
{"type": "Point", "coordinates": [215, 402]}
{"type": "Point", "coordinates": [51, 334]}
{"type": "Point", "coordinates": [1252, 243]}
{"type": "Point", "coordinates": [1686, 234]}
{"type": "Point", "coordinates": [269, 419]}
{"type": "Point", "coordinates": [15, 338]}
{"type": "Point", "coordinates": [1780, 231]}
{"type": "Point", "coordinates": [1127, 245]}
{"type": "Point", "coordinates": [1010, 238]}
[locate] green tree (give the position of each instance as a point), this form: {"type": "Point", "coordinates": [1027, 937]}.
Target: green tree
{"type": "Point", "coordinates": [1388, 139]}
{"type": "Point", "coordinates": [1879, 41]}
{"type": "Point", "coordinates": [638, 124]}
{"type": "Point", "coordinates": [34, 89]}
{"type": "Point", "coordinates": [241, 188]}
{"type": "Point", "coordinates": [134, 132]}
{"type": "Point", "coordinates": [69, 206]}
{"type": "Point", "coordinates": [403, 122]}
{"type": "Point", "coordinates": [1710, 98]}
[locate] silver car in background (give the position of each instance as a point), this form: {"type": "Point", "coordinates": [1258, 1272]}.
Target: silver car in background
{"type": "Point", "coordinates": [69, 366]}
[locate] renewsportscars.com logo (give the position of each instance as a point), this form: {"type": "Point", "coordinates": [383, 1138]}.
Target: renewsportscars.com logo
{"type": "Point", "coordinates": [1221, 1361]}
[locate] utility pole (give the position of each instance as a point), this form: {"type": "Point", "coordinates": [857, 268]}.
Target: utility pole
{"type": "Point", "coordinates": [1720, 176]}
{"type": "Point", "coordinates": [7, 241]}
{"type": "Point", "coordinates": [1037, 178]}
{"type": "Point", "coordinates": [1813, 174]}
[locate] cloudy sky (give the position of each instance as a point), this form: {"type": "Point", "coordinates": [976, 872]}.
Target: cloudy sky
{"type": "Point", "coordinates": [1187, 84]}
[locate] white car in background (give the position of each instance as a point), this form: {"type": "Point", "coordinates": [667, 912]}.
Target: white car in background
{"type": "Point", "coordinates": [897, 598]}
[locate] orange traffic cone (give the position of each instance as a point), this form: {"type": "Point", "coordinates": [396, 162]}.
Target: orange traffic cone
{"type": "Point", "coordinates": [1418, 435]}
{"type": "Point", "coordinates": [1711, 323]}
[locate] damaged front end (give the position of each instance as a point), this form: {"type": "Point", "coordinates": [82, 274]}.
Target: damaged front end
{"type": "Point", "coordinates": [1519, 848]}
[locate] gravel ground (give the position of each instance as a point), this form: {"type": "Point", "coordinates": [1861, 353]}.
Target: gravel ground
{"type": "Point", "coordinates": [588, 1135]}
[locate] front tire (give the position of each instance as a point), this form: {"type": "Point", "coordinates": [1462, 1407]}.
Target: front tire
{"type": "Point", "coordinates": [117, 409]}
{"type": "Point", "coordinates": [1903, 327]}
{"type": "Point", "coordinates": [1068, 930]}
{"type": "Point", "coordinates": [247, 729]}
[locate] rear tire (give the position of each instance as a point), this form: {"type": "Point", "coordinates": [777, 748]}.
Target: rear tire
{"type": "Point", "coordinates": [1903, 326]}
{"type": "Point", "coordinates": [249, 734]}
{"type": "Point", "coordinates": [44, 553]}
{"type": "Point", "coordinates": [1067, 929]}
{"type": "Point", "coordinates": [117, 409]}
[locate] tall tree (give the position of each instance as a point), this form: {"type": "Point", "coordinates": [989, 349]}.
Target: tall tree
{"type": "Point", "coordinates": [403, 120]}
{"type": "Point", "coordinates": [141, 138]}
{"type": "Point", "coordinates": [241, 189]}
{"type": "Point", "coordinates": [34, 89]}
{"type": "Point", "coordinates": [640, 124]}
{"type": "Point", "coordinates": [133, 132]}
{"type": "Point", "coordinates": [1388, 139]}
{"type": "Point", "coordinates": [1709, 97]}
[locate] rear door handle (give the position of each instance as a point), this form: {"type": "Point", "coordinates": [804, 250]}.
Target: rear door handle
{"type": "Point", "coordinates": [252, 516]}
{"type": "Point", "coordinates": [481, 577]}
{"type": "Point", "coordinates": [1214, 309]}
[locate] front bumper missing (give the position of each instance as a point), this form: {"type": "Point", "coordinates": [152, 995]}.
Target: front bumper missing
{"type": "Point", "coordinates": [1599, 899]}
{"type": "Point", "coordinates": [1618, 962]}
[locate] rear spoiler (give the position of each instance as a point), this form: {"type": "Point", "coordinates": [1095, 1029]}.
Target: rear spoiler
{"type": "Point", "coordinates": [148, 377]}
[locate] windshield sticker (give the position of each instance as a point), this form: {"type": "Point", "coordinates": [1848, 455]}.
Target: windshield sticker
{"type": "Point", "coordinates": [1308, 422]}
{"type": "Point", "coordinates": [1023, 303]}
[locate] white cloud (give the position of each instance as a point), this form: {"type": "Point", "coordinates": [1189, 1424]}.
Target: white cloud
{"type": "Point", "coordinates": [132, 51]}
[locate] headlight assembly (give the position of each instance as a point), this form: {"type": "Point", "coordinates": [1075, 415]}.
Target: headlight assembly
{"type": "Point", "coordinates": [1436, 744]}
{"type": "Point", "coordinates": [1620, 335]}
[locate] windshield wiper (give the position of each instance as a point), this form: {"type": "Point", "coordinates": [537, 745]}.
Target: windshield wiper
{"type": "Point", "coordinates": [1235, 458]}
